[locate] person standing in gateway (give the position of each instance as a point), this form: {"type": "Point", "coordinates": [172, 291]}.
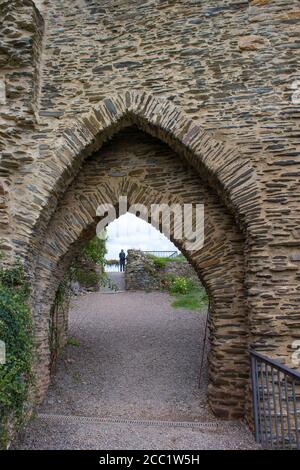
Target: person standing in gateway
{"type": "Point", "coordinates": [122, 258]}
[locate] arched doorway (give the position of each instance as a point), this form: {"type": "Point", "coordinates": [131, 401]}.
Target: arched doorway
{"type": "Point", "coordinates": [79, 173]}
{"type": "Point", "coordinates": [148, 172]}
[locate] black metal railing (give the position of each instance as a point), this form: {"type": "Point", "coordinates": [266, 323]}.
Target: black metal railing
{"type": "Point", "coordinates": [276, 399]}
{"type": "Point", "coordinates": [162, 254]}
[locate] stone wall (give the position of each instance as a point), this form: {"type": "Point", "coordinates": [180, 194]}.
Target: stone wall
{"type": "Point", "coordinates": [142, 273]}
{"type": "Point", "coordinates": [217, 85]}
{"type": "Point", "coordinates": [180, 269]}
{"type": "Point", "coordinates": [21, 33]}
{"type": "Point", "coordinates": [86, 276]}
{"type": "Point", "coordinates": [231, 66]}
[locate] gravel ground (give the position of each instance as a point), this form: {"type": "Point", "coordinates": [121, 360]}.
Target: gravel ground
{"type": "Point", "coordinates": [137, 358]}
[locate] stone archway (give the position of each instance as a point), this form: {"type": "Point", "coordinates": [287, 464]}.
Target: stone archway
{"type": "Point", "coordinates": [220, 264]}
{"type": "Point", "coordinates": [60, 107]}
{"type": "Point", "coordinates": [230, 189]}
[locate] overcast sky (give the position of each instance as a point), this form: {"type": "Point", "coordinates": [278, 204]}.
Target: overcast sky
{"type": "Point", "coordinates": [128, 231]}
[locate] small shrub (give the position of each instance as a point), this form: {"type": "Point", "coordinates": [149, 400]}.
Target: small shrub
{"type": "Point", "coordinates": [13, 278]}
{"type": "Point", "coordinates": [181, 285]}
{"type": "Point", "coordinates": [188, 294]}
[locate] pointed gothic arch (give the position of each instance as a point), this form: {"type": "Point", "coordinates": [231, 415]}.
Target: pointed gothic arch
{"type": "Point", "coordinates": [230, 178]}
{"type": "Point", "coordinates": [225, 169]}
{"type": "Point", "coordinates": [220, 265]}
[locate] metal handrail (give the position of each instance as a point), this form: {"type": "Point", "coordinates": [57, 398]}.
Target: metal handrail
{"type": "Point", "coordinates": [273, 362]}
{"type": "Point", "coordinates": [276, 397]}
{"type": "Point", "coordinates": [162, 253]}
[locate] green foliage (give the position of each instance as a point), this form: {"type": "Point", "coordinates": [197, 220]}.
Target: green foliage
{"type": "Point", "coordinates": [87, 278]}
{"type": "Point", "coordinates": [60, 307]}
{"type": "Point", "coordinates": [188, 294]}
{"type": "Point", "coordinates": [76, 377]}
{"type": "Point", "coordinates": [194, 300]}
{"type": "Point", "coordinates": [95, 250]}
{"type": "Point", "coordinates": [181, 285]}
{"type": "Point", "coordinates": [63, 293]}
{"type": "Point", "coordinates": [73, 342]}
{"type": "Point", "coordinates": [13, 278]}
{"type": "Point", "coordinates": [161, 261]}
{"type": "Point", "coordinates": [16, 375]}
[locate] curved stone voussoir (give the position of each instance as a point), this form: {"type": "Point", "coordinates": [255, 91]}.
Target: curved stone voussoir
{"type": "Point", "coordinates": [230, 174]}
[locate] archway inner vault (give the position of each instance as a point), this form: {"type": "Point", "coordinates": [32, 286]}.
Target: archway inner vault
{"type": "Point", "coordinates": [148, 172]}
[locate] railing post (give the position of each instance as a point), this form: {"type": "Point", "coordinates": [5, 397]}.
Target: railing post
{"type": "Point", "coordinates": [254, 396]}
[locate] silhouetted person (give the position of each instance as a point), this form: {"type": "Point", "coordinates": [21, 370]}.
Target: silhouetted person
{"type": "Point", "coordinates": [122, 258]}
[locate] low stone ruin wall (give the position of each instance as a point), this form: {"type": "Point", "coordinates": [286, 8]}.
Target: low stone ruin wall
{"type": "Point", "coordinates": [86, 277]}
{"type": "Point", "coordinates": [142, 273]}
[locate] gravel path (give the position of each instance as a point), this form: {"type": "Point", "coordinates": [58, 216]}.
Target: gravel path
{"type": "Point", "coordinates": [137, 358]}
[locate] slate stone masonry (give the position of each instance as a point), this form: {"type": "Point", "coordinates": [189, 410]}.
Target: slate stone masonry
{"type": "Point", "coordinates": [143, 274]}
{"type": "Point", "coordinates": [215, 84]}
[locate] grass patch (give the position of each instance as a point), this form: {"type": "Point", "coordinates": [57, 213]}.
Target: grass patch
{"type": "Point", "coordinates": [160, 262]}
{"type": "Point", "coordinates": [188, 295]}
{"type": "Point", "coordinates": [196, 299]}
{"type": "Point", "coordinates": [77, 377]}
{"type": "Point", "coordinates": [73, 342]}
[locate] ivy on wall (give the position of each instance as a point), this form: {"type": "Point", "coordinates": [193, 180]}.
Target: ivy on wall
{"type": "Point", "coordinates": [59, 309]}
{"type": "Point", "coordinates": [81, 270]}
{"type": "Point", "coordinates": [92, 255]}
{"type": "Point", "coordinates": [95, 249]}
{"type": "Point", "coordinates": [16, 377]}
